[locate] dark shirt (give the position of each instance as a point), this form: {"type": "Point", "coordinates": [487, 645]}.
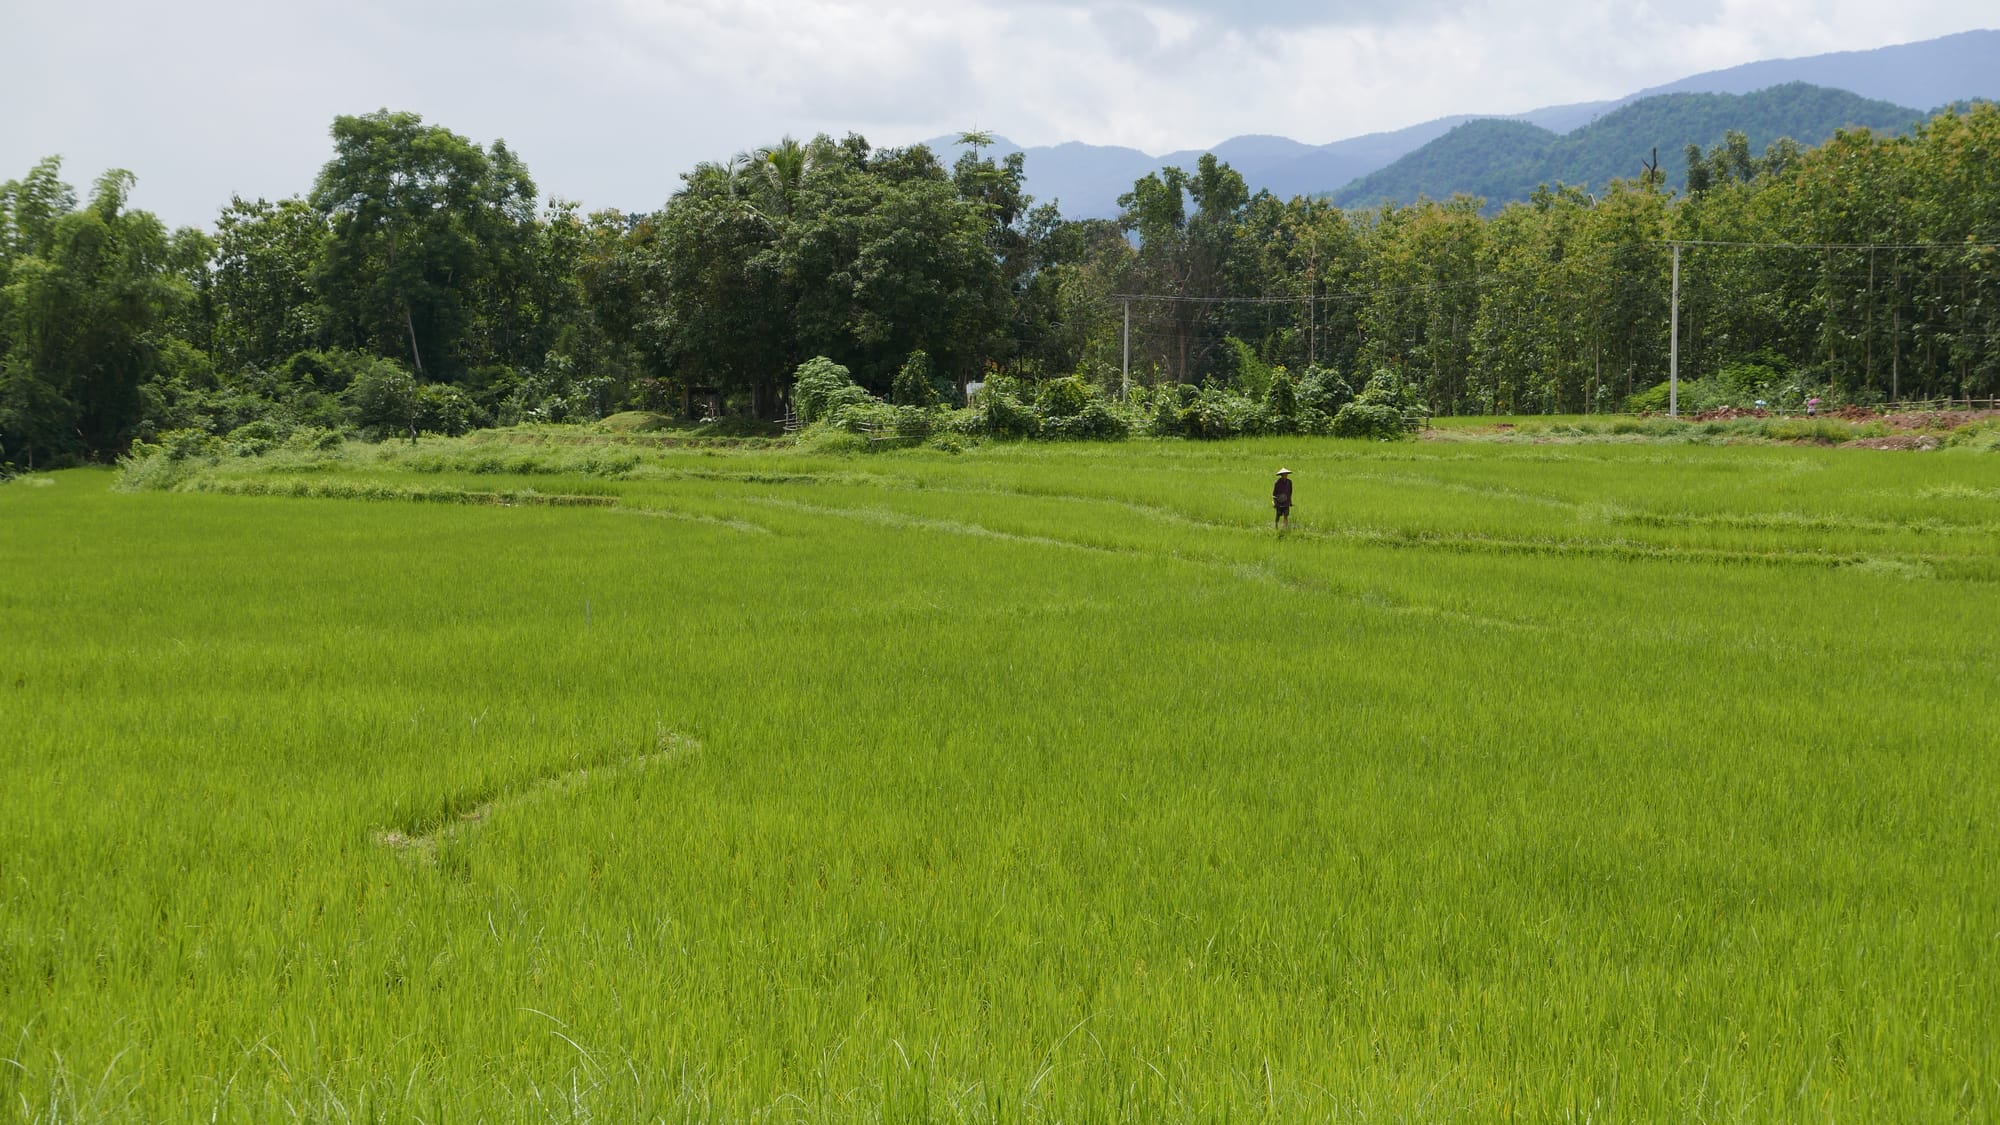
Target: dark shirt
{"type": "Point", "coordinates": [1281, 492]}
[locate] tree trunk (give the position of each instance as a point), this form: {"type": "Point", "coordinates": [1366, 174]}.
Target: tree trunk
{"type": "Point", "coordinates": [411, 324]}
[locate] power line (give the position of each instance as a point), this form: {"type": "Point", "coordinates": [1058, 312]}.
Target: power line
{"type": "Point", "coordinates": [1835, 245]}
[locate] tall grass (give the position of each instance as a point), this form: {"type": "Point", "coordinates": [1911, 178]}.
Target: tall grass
{"type": "Point", "coordinates": [1034, 784]}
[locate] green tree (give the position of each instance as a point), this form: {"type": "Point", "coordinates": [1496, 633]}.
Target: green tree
{"type": "Point", "coordinates": [265, 259]}
{"type": "Point", "coordinates": [1195, 254]}
{"type": "Point", "coordinates": [424, 227]}
{"type": "Point", "coordinates": [87, 298]}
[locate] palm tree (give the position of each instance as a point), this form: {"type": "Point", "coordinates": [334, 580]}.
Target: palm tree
{"type": "Point", "coordinates": [776, 172]}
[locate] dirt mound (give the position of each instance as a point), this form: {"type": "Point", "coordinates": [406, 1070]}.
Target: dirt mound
{"type": "Point", "coordinates": [1918, 442]}
{"type": "Point", "coordinates": [1937, 419]}
{"type": "Point", "coordinates": [1729, 414]}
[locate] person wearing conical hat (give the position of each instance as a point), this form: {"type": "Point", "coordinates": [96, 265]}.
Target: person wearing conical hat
{"type": "Point", "coordinates": [1281, 499]}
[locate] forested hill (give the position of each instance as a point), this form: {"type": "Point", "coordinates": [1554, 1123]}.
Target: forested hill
{"type": "Point", "coordinates": [1504, 161]}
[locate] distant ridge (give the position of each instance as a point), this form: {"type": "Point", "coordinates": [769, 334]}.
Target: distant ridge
{"type": "Point", "coordinates": [1503, 161]}
{"type": "Point", "coordinates": [1088, 179]}
{"type": "Point", "coordinates": [1929, 74]}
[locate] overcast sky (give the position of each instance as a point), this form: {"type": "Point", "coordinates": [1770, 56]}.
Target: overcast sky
{"type": "Point", "coordinates": [609, 101]}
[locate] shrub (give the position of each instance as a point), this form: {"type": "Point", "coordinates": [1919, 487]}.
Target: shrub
{"type": "Point", "coordinates": [821, 386]}
{"type": "Point", "coordinates": [1242, 370]}
{"type": "Point", "coordinates": [1097, 421]}
{"type": "Point", "coordinates": [862, 414]}
{"type": "Point", "coordinates": [441, 409]}
{"type": "Point", "coordinates": [916, 383]}
{"type": "Point", "coordinates": [382, 400]}
{"type": "Point", "coordinates": [1386, 409]}
{"type": "Point", "coordinates": [1281, 403]}
{"type": "Point", "coordinates": [1370, 420]}
{"type": "Point", "coordinates": [1062, 398]}
{"type": "Point", "coordinates": [1216, 412]}
{"type": "Point", "coordinates": [915, 422]}
{"type": "Point", "coordinates": [314, 439]}
{"type": "Point", "coordinates": [1169, 409]}
{"type": "Point", "coordinates": [253, 438]}
{"type": "Point", "coordinates": [1003, 412]}
{"type": "Point", "coordinates": [1322, 391]}
{"type": "Point", "coordinates": [177, 455]}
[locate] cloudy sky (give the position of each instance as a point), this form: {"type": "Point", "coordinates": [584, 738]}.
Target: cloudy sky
{"type": "Point", "coordinates": [609, 101]}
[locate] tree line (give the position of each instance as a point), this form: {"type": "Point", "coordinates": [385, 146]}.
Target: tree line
{"type": "Point", "coordinates": [422, 285]}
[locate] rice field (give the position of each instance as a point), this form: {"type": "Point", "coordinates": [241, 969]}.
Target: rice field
{"type": "Point", "coordinates": [553, 778]}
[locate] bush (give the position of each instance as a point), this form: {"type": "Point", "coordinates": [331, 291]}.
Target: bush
{"type": "Point", "coordinates": [382, 400]}
{"type": "Point", "coordinates": [1062, 398]}
{"type": "Point", "coordinates": [1216, 413]}
{"type": "Point", "coordinates": [1097, 421]}
{"type": "Point", "coordinates": [314, 439]}
{"type": "Point", "coordinates": [178, 455]}
{"type": "Point", "coordinates": [253, 438]}
{"type": "Point", "coordinates": [1386, 409]}
{"type": "Point", "coordinates": [1000, 412]}
{"type": "Point", "coordinates": [1322, 391]}
{"type": "Point", "coordinates": [1983, 437]}
{"type": "Point", "coordinates": [1281, 403]}
{"type": "Point", "coordinates": [863, 414]}
{"type": "Point", "coordinates": [442, 409]}
{"type": "Point", "coordinates": [915, 422]}
{"type": "Point", "coordinates": [1169, 405]}
{"type": "Point", "coordinates": [821, 386]}
{"type": "Point", "coordinates": [1373, 421]}
{"type": "Point", "coordinates": [916, 383]}
{"type": "Point", "coordinates": [1242, 370]}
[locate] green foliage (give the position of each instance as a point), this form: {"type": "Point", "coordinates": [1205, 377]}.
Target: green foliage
{"type": "Point", "coordinates": [1243, 370]}
{"type": "Point", "coordinates": [1387, 409]}
{"type": "Point", "coordinates": [917, 382]}
{"type": "Point", "coordinates": [176, 457]}
{"type": "Point", "coordinates": [1742, 385]}
{"type": "Point", "coordinates": [1072, 409]}
{"type": "Point", "coordinates": [1001, 411]}
{"type": "Point", "coordinates": [821, 387]}
{"type": "Point", "coordinates": [87, 297]}
{"type": "Point", "coordinates": [383, 400]}
{"type": "Point", "coordinates": [1281, 403]}
{"type": "Point", "coordinates": [427, 241]}
{"type": "Point", "coordinates": [1860, 270]}
{"type": "Point", "coordinates": [1322, 390]}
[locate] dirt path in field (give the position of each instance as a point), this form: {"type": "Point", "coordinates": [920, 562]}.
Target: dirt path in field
{"type": "Point", "coordinates": [422, 842]}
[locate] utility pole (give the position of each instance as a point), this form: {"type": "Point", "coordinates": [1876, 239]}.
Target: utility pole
{"type": "Point", "coordinates": [1674, 343]}
{"type": "Point", "coordinates": [1125, 368]}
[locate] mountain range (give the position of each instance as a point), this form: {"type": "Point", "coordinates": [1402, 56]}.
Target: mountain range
{"type": "Point", "coordinates": [1888, 88]}
{"type": "Point", "coordinates": [1503, 160]}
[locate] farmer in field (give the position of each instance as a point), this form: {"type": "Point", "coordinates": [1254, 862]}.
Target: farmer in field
{"type": "Point", "coordinates": [1281, 499]}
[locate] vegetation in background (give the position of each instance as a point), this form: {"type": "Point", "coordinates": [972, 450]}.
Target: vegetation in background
{"type": "Point", "coordinates": [421, 249]}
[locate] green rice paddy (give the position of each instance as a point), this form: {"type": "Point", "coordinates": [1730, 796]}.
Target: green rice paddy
{"type": "Point", "coordinates": [630, 781]}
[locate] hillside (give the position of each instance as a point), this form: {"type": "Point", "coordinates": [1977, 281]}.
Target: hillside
{"type": "Point", "coordinates": [1503, 160]}
{"type": "Point", "coordinates": [1931, 73]}
{"type": "Point", "coordinates": [1087, 179]}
